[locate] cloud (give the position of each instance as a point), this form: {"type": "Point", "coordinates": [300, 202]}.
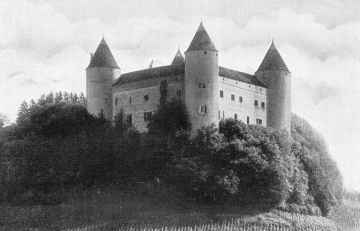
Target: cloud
{"type": "Point", "coordinates": [13, 74]}
{"type": "Point", "coordinates": [323, 91]}
{"type": "Point", "coordinates": [35, 29]}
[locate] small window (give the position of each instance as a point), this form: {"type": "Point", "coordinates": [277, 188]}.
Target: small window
{"type": "Point", "coordinates": [202, 109]}
{"type": "Point", "coordinates": [219, 114]}
{"type": "Point", "coordinates": [147, 116]}
{"type": "Point", "coordinates": [248, 120]}
{"type": "Point", "coordinates": [130, 100]}
{"type": "Point", "coordinates": [129, 119]}
{"type": "Point", "coordinates": [258, 121]}
{"type": "Point", "coordinates": [263, 105]}
{"type": "Point", "coordinates": [256, 103]}
{"type": "Point", "coordinates": [223, 114]}
{"type": "Point", "coordinates": [235, 116]}
{"type": "Point", "coordinates": [240, 99]}
{"type": "Point", "coordinates": [217, 55]}
{"type": "Point", "coordinates": [221, 94]}
{"type": "Point", "coordinates": [106, 100]}
{"type": "Point", "coordinates": [201, 85]}
{"type": "Point", "coordinates": [178, 93]}
{"type": "Point", "coordinates": [205, 52]}
{"type": "Point", "coordinates": [232, 97]}
{"type": "Point", "coordinates": [146, 98]}
{"type": "Point", "coordinates": [116, 102]}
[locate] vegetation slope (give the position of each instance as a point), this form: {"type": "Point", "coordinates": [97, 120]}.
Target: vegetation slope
{"type": "Point", "coordinates": [57, 148]}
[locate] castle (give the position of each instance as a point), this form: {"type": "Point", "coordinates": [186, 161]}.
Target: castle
{"type": "Point", "coordinates": [210, 92]}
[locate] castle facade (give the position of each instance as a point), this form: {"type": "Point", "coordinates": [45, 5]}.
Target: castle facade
{"type": "Point", "coordinates": [210, 92]}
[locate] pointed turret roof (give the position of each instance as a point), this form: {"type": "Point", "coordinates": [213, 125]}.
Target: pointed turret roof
{"type": "Point", "coordinates": [201, 41]}
{"type": "Point", "coordinates": [178, 59]}
{"type": "Point", "coordinates": [273, 60]}
{"type": "Point", "coordinates": [103, 57]}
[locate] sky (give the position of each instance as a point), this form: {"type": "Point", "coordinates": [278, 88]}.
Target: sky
{"type": "Point", "coordinates": [45, 46]}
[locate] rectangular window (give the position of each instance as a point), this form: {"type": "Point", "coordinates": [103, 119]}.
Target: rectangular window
{"type": "Point", "coordinates": [221, 94]}
{"type": "Point", "coordinates": [116, 102]}
{"type": "Point", "coordinates": [232, 97]}
{"type": "Point", "coordinates": [178, 93]}
{"type": "Point", "coordinates": [240, 99]}
{"type": "Point", "coordinates": [201, 85]}
{"type": "Point", "coordinates": [248, 120]}
{"type": "Point", "coordinates": [219, 114]}
{"type": "Point", "coordinates": [255, 103]}
{"type": "Point", "coordinates": [147, 116]}
{"type": "Point", "coordinates": [130, 100]}
{"type": "Point", "coordinates": [129, 119]}
{"type": "Point", "coordinates": [263, 105]}
{"type": "Point", "coordinates": [258, 121]}
{"type": "Point", "coordinates": [203, 109]}
{"type": "Point", "coordinates": [235, 116]}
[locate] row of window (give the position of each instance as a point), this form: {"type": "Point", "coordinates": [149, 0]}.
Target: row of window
{"type": "Point", "coordinates": [256, 103]}
{"type": "Point", "coordinates": [258, 121]}
{"type": "Point", "coordinates": [148, 116]}
{"type": "Point", "coordinates": [146, 98]}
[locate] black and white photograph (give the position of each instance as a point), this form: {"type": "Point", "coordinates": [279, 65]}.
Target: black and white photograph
{"type": "Point", "coordinates": [180, 115]}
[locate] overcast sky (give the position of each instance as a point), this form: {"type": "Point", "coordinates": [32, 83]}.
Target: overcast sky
{"type": "Point", "coordinates": [45, 46]}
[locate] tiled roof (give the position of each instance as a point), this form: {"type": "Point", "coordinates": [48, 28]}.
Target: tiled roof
{"type": "Point", "coordinates": [103, 57]}
{"type": "Point", "coordinates": [273, 60]}
{"type": "Point", "coordinates": [151, 73]}
{"type": "Point", "coordinates": [201, 41]}
{"type": "Point", "coordinates": [178, 59]}
{"type": "Point", "coordinates": [239, 76]}
{"type": "Point", "coordinates": [172, 70]}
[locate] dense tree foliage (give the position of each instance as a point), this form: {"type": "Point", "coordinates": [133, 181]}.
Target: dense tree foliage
{"type": "Point", "coordinates": [325, 181]}
{"type": "Point", "coordinates": [171, 115]}
{"type": "Point", "coordinates": [57, 144]}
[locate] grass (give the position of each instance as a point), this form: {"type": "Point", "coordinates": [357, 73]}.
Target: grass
{"type": "Point", "coordinates": [109, 208]}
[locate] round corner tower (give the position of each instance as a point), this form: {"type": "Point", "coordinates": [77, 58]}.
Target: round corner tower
{"type": "Point", "coordinates": [100, 75]}
{"type": "Point", "coordinates": [274, 73]}
{"type": "Point", "coordinates": [201, 80]}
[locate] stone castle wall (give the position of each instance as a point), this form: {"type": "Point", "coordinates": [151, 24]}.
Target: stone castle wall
{"type": "Point", "coordinates": [248, 93]}
{"type": "Point", "coordinates": [98, 89]}
{"type": "Point", "coordinates": [145, 96]}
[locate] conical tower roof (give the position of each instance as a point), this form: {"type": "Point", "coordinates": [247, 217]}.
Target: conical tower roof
{"type": "Point", "coordinates": [103, 57]}
{"type": "Point", "coordinates": [178, 59]}
{"type": "Point", "coordinates": [273, 60]}
{"type": "Point", "coordinates": [201, 41]}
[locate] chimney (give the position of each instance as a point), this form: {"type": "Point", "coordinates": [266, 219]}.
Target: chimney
{"type": "Point", "coordinates": [91, 56]}
{"type": "Point", "coordinates": [151, 63]}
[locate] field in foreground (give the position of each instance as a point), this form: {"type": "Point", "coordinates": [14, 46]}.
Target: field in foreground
{"type": "Point", "coordinates": [145, 208]}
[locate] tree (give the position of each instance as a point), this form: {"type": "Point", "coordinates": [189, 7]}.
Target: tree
{"type": "Point", "coordinates": [170, 117]}
{"type": "Point", "coordinates": [163, 92]}
{"type": "Point", "coordinates": [41, 100]}
{"type": "Point", "coordinates": [75, 98]}
{"type": "Point", "coordinates": [50, 98]}
{"type": "Point", "coordinates": [4, 119]}
{"type": "Point", "coordinates": [120, 121]}
{"type": "Point", "coordinates": [82, 99]}
{"type": "Point", "coordinates": [22, 111]}
{"type": "Point", "coordinates": [58, 97]}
